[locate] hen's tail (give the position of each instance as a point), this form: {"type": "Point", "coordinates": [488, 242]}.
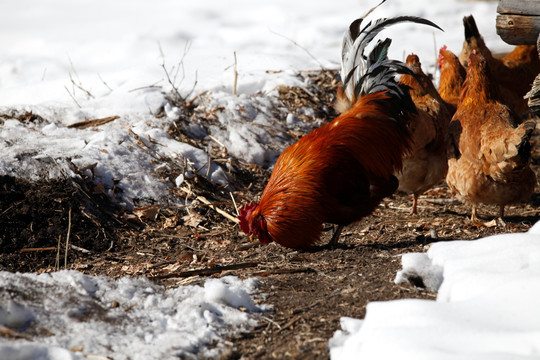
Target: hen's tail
{"type": "Point", "coordinates": [363, 75]}
{"type": "Point", "coordinates": [473, 41]}
{"type": "Point", "coordinates": [471, 30]}
{"type": "Point", "coordinates": [524, 147]}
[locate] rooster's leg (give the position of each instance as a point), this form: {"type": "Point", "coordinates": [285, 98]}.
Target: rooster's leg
{"type": "Point", "coordinates": [335, 236]}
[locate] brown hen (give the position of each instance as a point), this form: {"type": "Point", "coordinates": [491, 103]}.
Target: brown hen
{"type": "Point", "coordinates": [426, 165]}
{"type": "Point", "coordinates": [489, 153]}
{"type": "Point", "coordinates": [514, 73]}
{"type": "Point", "coordinates": [452, 78]}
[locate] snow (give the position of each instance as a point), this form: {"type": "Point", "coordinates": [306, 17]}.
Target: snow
{"type": "Point", "coordinates": [486, 306]}
{"type": "Point", "coordinates": [72, 61]}
{"type": "Point", "coordinates": [126, 318]}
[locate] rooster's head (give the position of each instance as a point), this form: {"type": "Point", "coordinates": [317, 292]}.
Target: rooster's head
{"type": "Point", "coordinates": [253, 223]}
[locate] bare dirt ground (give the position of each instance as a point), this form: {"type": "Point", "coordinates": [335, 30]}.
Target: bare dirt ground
{"type": "Point", "coordinates": [310, 290]}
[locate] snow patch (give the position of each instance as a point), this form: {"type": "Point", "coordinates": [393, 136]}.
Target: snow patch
{"type": "Point", "coordinates": [122, 319]}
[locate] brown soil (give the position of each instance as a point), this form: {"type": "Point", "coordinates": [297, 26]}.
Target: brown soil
{"type": "Point", "coordinates": [309, 290]}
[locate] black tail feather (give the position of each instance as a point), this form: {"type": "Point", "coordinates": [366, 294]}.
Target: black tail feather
{"type": "Point", "coordinates": [471, 30]}
{"type": "Point", "coordinates": [363, 74]}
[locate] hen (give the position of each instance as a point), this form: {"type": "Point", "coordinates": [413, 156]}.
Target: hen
{"type": "Point", "coordinates": [452, 78]}
{"type": "Point", "coordinates": [341, 171]}
{"type": "Point", "coordinates": [426, 165]}
{"type": "Point", "coordinates": [514, 73]}
{"type": "Point", "coordinates": [489, 154]}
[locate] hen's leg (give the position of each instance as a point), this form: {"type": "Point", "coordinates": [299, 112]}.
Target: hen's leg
{"type": "Point", "coordinates": [497, 221]}
{"type": "Point", "coordinates": [500, 220]}
{"type": "Point", "coordinates": [474, 217]}
{"type": "Point", "coordinates": [414, 209]}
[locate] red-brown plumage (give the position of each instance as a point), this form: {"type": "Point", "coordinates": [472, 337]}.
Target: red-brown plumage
{"type": "Point", "coordinates": [337, 174]}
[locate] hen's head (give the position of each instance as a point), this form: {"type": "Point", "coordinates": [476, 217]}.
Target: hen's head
{"type": "Point", "coordinates": [253, 223]}
{"type": "Point", "coordinates": [477, 60]}
{"type": "Point", "coordinates": [413, 62]}
{"type": "Point", "coordinates": [442, 54]}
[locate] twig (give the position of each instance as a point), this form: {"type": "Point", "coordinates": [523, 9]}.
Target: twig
{"type": "Point", "coordinates": [153, 86]}
{"type": "Point", "coordinates": [435, 64]}
{"type": "Point", "coordinates": [234, 202]}
{"type": "Point", "coordinates": [207, 271]}
{"type": "Point", "coordinates": [282, 271]}
{"type": "Point", "coordinates": [177, 67]}
{"type": "Point", "coordinates": [301, 47]}
{"type": "Point", "coordinates": [529, 212]}
{"type": "Point", "coordinates": [235, 75]}
{"type": "Point", "coordinates": [79, 85]}
{"type": "Point", "coordinates": [67, 239]}
{"type": "Point", "coordinates": [78, 248]}
{"type": "Point", "coordinates": [192, 205]}
{"type": "Point", "coordinates": [216, 141]}
{"type": "Point", "coordinates": [7, 332]}
{"type": "Point", "coordinates": [49, 248]}
{"type": "Point", "coordinates": [5, 211]}
{"type": "Point", "coordinates": [209, 163]}
{"type": "Point", "coordinates": [57, 263]}
{"type": "Point", "coordinates": [271, 321]}
{"type": "Point", "coordinates": [104, 83]}
{"type": "Point", "coordinates": [72, 96]}
{"type": "Point", "coordinates": [290, 323]}
{"type": "Point", "coordinates": [212, 206]}
{"type": "Point", "coordinates": [92, 123]}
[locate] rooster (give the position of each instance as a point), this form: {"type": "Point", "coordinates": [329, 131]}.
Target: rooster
{"type": "Point", "coordinates": [341, 171]}
{"type": "Point", "coordinates": [426, 165]}
{"type": "Point", "coordinates": [489, 149]}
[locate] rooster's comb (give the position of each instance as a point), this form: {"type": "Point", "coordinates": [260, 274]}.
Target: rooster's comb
{"type": "Point", "coordinates": [244, 214]}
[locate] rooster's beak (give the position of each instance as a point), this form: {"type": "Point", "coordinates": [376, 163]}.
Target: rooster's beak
{"type": "Point", "coordinates": [252, 237]}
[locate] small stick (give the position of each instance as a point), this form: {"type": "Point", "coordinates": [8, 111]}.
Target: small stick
{"type": "Point", "coordinates": [57, 263]}
{"type": "Point", "coordinates": [271, 321]}
{"type": "Point", "coordinates": [207, 271]}
{"type": "Point", "coordinates": [49, 248]}
{"type": "Point", "coordinates": [290, 323]}
{"type": "Point", "coordinates": [235, 75]}
{"type": "Point", "coordinates": [92, 123]}
{"type": "Point", "coordinates": [72, 97]}
{"type": "Point", "coordinates": [212, 206]}
{"type": "Point", "coordinates": [78, 248]}
{"type": "Point", "coordinates": [104, 83]}
{"type": "Point", "coordinates": [234, 202]}
{"type": "Point", "coordinates": [216, 141]}
{"type": "Point", "coordinates": [209, 164]}
{"type": "Point", "coordinates": [301, 47]}
{"type": "Point", "coordinates": [5, 211]}
{"type": "Point", "coordinates": [67, 239]}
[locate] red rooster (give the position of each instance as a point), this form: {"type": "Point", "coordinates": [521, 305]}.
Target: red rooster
{"type": "Point", "coordinates": [341, 171]}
